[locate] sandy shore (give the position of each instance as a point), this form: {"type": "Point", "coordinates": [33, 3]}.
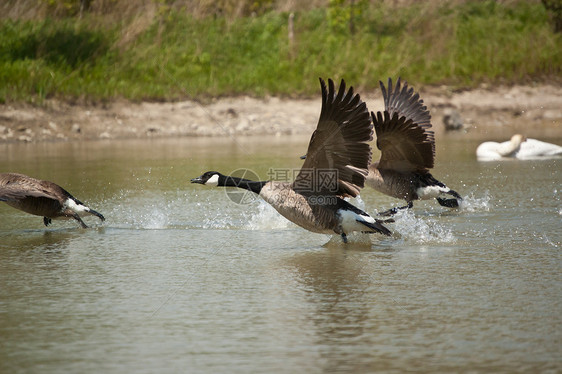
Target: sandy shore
{"type": "Point", "coordinates": [498, 112]}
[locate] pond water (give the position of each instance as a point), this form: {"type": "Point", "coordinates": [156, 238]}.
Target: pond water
{"type": "Point", "coordinates": [182, 279]}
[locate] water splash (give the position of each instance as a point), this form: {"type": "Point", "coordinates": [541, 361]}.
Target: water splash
{"type": "Point", "coordinates": [207, 210]}
{"type": "Point", "coordinates": [152, 218]}
{"type": "Point", "coordinates": [146, 212]}
{"type": "Point", "coordinates": [547, 240]}
{"type": "Point", "coordinates": [421, 229]}
{"type": "Point", "coordinates": [471, 203]}
{"type": "Point", "coordinates": [264, 217]}
{"type": "Point", "coordinates": [357, 201]}
{"type": "Point", "coordinates": [219, 219]}
{"type": "Point", "coordinates": [198, 211]}
{"type": "Point", "coordinates": [181, 209]}
{"type": "Point", "coordinates": [258, 215]}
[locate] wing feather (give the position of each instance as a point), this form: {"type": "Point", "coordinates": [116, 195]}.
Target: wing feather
{"type": "Point", "coordinates": [339, 145]}
{"type": "Point", "coordinates": [403, 144]}
{"type": "Point", "coordinates": [404, 134]}
{"type": "Point", "coordinates": [15, 186]}
{"type": "Point", "coordinates": [405, 102]}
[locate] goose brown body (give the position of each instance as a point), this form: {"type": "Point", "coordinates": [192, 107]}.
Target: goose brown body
{"type": "Point", "coordinates": [320, 214]}
{"type": "Point", "coordinates": [391, 182]}
{"type": "Point", "coordinates": [299, 209]}
{"type": "Point", "coordinates": [41, 198]}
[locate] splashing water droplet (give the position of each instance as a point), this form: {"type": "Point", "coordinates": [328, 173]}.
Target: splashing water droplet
{"type": "Point", "coordinates": [421, 230]}
{"type": "Point", "coordinates": [265, 218]}
{"type": "Point", "coordinates": [472, 203]}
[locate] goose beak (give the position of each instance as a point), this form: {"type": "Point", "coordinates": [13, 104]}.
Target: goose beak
{"type": "Point", "coordinates": [99, 215]}
{"type": "Point", "coordinates": [197, 180]}
{"type": "Point", "coordinates": [303, 157]}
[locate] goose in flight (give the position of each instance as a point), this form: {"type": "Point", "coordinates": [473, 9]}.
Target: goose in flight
{"type": "Point", "coordinates": [42, 198]}
{"type": "Point", "coordinates": [338, 157]}
{"type": "Point", "coordinates": [407, 146]}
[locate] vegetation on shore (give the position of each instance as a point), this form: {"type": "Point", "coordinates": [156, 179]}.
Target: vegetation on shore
{"type": "Point", "coordinates": [172, 54]}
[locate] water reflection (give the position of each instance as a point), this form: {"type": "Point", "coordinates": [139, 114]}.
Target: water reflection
{"type": "Point", "coordinates": [343, 286]}
{"type": "Point", "coordinates": [48, 240]}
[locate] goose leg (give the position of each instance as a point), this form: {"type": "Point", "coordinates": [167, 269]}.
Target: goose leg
{"type": "Point", "coordinates": [46, 221]}
{"type": "Point", "coordinates": [449, 203]}
{"type": "Point", "coordinates": [344, 237]}
{"type": "Point", "coordinates": [77, 217]}
{"type": "Point", "coordinates": [395, 210]}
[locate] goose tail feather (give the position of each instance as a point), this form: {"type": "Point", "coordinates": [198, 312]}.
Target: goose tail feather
{"type": "Point", "coordinates": [376, 227]}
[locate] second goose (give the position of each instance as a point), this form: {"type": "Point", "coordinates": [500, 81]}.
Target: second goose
{"type": "Point", "coordinates": [407, 148]}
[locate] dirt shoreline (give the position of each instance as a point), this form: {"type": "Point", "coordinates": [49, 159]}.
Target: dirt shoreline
{"type": "Point", "coordinates": [498, 111]}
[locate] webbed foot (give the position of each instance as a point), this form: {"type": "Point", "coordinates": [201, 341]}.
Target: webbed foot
{"type": "Point", "coordinates": [449, 203]}
{"type": "Point", "coordinates": [395, 210]}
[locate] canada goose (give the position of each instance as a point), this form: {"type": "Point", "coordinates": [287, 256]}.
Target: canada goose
{"type": "Point", "coordinates": [519, 147]}
{"type": "Point", "coordinates": [339, 154]}
{"type": "Point", "coordinates": [407, 148]}
{"type": "Point", "coordinates": [42, 198]}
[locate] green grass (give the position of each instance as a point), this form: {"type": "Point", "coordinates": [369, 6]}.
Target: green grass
{"type": "Point", "coordinates": [177, 56]}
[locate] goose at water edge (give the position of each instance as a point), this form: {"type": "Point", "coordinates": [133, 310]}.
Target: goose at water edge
{"type": "Point", "coordinates": [338, 147]}
{"type": "Point", "coordinates": [518, 147]}
{"type": "Point", "coordinates": [42, 198]}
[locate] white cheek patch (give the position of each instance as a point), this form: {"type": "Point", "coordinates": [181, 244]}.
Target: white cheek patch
{"type": "Point", "coordinates": [78, 208]}
{"type": "Point", "coordinates": [213, 181]}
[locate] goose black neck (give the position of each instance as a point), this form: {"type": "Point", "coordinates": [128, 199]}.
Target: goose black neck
{"type": "Point", "coordinates": [229, 181]}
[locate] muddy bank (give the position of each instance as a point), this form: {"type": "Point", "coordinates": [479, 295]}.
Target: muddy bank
{"type": "Point", "coordinates": [497, 112]}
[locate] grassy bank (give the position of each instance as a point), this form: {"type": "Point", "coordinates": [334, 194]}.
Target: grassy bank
{"type": "Point", "coordinates": [172, 55]}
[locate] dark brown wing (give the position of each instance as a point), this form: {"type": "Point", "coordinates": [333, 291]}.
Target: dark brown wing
{"type": "Point", "coordinates": [13, 194]}
{"type": "Point", "coordinates": [339, 152]}
{"type": "Point", "coordinates": [407, 144]}
{"type": "Point", "coordinates": [406, 103]}
{"type": "Point", "coordinates": [18, 186]}
{"type": "Point", "coordinates": [403, 144]}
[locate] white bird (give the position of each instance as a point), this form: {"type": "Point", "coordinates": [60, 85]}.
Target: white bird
{"type": "Point", "coordinates": [518, 147]}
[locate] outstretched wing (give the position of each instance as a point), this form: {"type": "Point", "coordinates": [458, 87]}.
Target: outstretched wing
{"type": "Point", "coordinates": [13, 193]}
{"type": "Point", "coordinates": [403, 100]}
{"type": "Point", "coordinates": [15, 186]}
{"type": "Point", "coordinates": [404, 145]}
{"type": "Point", "coordinates": [339, 153]}
{"type": "Point", "coordinates": [403, 131]}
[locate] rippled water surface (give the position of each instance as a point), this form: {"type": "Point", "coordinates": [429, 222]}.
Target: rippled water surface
{"type": "Point", "coordinates": [182, 279]}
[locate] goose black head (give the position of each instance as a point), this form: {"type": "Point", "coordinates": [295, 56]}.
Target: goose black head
{"type": "Point", "coordinates": [210, 178]}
